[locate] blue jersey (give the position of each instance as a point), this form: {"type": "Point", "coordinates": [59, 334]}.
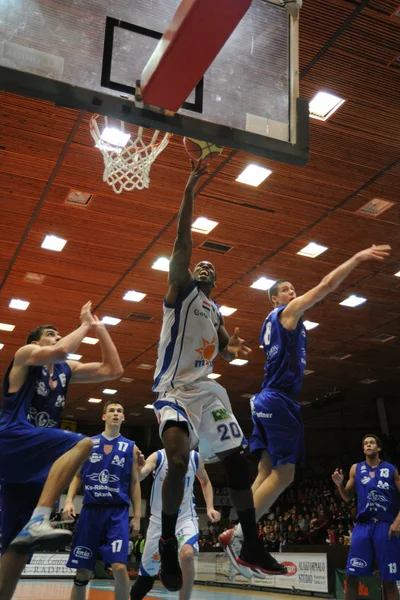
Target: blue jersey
{"type": "Point", "coordinates": [285, 352]}
{"type": "Point", "coordinates": [107, 472]}
{"type": "Point", "coordinates": [40, 399]}
{"type": "Point", "coordinates": [377, 495]}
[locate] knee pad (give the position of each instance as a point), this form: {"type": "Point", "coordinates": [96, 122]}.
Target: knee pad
{"type": "Point", "coordinates": [237, 470]}
{"type": "Point", "coordinates": [141, 587]}
{"type": "Point", "coordinates": [80, 582]}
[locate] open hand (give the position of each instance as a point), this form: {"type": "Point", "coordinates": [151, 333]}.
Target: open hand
{"type": "Point", "coordinates": [236, 345]}
{"type": "Point", "coordinates": [374, 253]}
{"type": "Point", "coordinates": [198, 170]}
{"type": "Point", "coordinates": [86, 316]}
{"type": "Point", "coordinates": [338, 477]}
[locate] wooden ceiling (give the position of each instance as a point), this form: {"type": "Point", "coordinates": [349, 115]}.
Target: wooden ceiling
{"type": "Point", "coordinates": [349, 48]}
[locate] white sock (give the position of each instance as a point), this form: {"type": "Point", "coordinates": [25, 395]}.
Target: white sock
{"type": "Point", "coordinates": [42, 510]}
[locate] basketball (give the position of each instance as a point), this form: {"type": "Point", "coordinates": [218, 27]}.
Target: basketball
{"type": "Point", "coordinates": [199, 150]}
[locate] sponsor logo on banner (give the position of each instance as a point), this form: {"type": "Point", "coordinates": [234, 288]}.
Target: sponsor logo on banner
{"type": "Point", "coordinates": [358, 562]}
{"type": "Point", "coordinates": [107, 448]}
{"type": "Point", "coordinates": [49, 565]}
{"type": "Point", "coordinates": [291, 568]}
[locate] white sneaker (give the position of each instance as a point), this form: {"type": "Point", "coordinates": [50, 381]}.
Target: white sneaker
{"type": "Point", "coordinates": [38, 534]}
{"type": "Point", "coordinates": [231, 541]}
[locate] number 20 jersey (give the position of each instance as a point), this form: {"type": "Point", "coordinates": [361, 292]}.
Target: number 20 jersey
{"type": "Point", "coordinates": [107, 472]}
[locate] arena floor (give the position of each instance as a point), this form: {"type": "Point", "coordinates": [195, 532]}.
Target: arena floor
{"type": "Point", "coordinates": [39, 589]}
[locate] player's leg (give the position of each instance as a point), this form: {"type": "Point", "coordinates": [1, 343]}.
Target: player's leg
{"type": "Point", "coordinates": [387, 553]}
{"type": "Point", "coordinates": [273, 485]}
{"type": "Point", "coordinates": [121, 580]}
{"type": "Point", "coordinates": [188, 538]}
{"type": "Point", "coordinates": [360, 558]}
{"type": "Point", "coordinates": [72, 450]}
{"type": "Point", "coordinates": [81, 580]}
{"type": "Point", "coordinates": [264, 470]}
{"type": "Point", "coordinates": [149, 564]}
{"type": "Point", "coordinates": [175, 432]}
{"type": "Point", "coordinates": [11, 567]}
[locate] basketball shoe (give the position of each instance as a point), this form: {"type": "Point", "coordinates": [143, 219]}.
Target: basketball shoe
{"type": "Point", "coordinates": [38, 534]}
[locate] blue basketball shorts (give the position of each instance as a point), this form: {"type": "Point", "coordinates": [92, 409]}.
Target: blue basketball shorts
{"type": "Point", "coordinates": [17, 501]}
{"type": "Point", "coordinates": [370, 541]}
{"type": "Point", "coordinates": [277, 428]}
{"type": "Point", "coordinates": [100, 529]}
{"type": "Point", "coordinates": [28, 453]}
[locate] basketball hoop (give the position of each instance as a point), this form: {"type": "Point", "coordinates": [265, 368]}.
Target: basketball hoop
{"type": "Point", "coordinates": [128, 160]}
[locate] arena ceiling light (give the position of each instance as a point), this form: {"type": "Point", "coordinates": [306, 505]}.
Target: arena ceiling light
{"type": "Point", "coordinates": [323, 105]}
{"type": "Point", "coordinates": [263, 283]}
{"type": "Point", "coordinates": [109, 391]}
{"type": "Point", "coordinates": [253, 175]}
{"type": "Point", "coordinates": [239, 362]}
{"type": "Point", "coordinates": [95, 400]}
{"type": "Point", "coordinates": [353, 301]}
{"type": "Point", "coordinates": [52, 242]}
{"type": "Point", "coordinates": [310, 325]}
{"type": "Point", "coordinates": [161, 264]}
{"type": "Point", "coordinates": [214, 375]}
{"type": "Point", "coordinates": [90, 340]}
{"type": "Point", "coordinates": [149, 406]}
{"type": "Point", "coordinates": [6, 327]}
{"type": "Point", "coordinates": [18, 304]}
{"type": "Point", "coordinates": [226, 311]}
{"type": "Point", "coordinates": [110, 320]}
{"type": "Point", "coordinates": [133, 296]}
{"type": "Point", "coordinates": [204, 225]}
{"type": "Point", "coordinates": [312, 250]}
{"type": "Point", "coordinates": [72, 356]}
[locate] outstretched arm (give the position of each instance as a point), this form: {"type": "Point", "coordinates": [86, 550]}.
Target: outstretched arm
{"type": "Point", "coordinates": [347, 491]}
{"type": "Point", "coordinates": [109, 368]}
{"type": "Point", "coordinates": [231, 346]}
{"type": "Point", "coordinates": [208, 493]}
{"type": "Point", "coordinates": [179, 273]}
{"type": "Point", "coordinates": [295, 309]}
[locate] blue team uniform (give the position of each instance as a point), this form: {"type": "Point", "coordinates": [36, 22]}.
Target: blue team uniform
{"type": "Point", "coordinates": [28, 452]}
{"type": "Point", "coordinates": [378, 504]}
{"type": "Point", "coordinates": [104, 519]}
{"type": "Point", "coordinates": [278, 427]}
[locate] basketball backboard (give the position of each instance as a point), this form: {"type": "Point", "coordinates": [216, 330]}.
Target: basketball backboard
{"type": "Point", "coordinates": [89, 54]}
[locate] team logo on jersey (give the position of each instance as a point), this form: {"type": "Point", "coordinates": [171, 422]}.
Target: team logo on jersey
{"type": "Point", "coordinates": [365, 480]}
{"type": "Point", "coordinates": [358, 562]}
{"type": "Point", "coordinates": [383, 485]}
{"type": "Point", "coordinates": [95, 457]}
{"type": "Point", "coordinates": [119, 462]}
{"type": "Point", "coordinates": [41, 389]}
{"type": "Point", "coordinates": [107, 448]}
{"type": "Point", "coordinates": [156, 557]}
{"type": "Point", "coordinates": [40, 419]}
{"type": "Point", "coordinates": [206, 352]}
{"type": "Point", "coordinates": [83, 552]}
{"type": "Point", "coordinates": [63, 379]}
{"type": "Point", "coordinates": [60, 402]}
{"type": "Point", "coordinates": [96, 441]}
{"type": "Point", "coordinates": [103, 477]}
{"type": "Point", "coordinates": [371, 474]}
{"type": "Point", "coordinates": [220, 414]}
{"type": "Point", "coordinates": [363, 469]}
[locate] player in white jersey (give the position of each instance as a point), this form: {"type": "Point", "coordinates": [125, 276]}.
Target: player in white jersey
{"type": "Point", "coordinates": [187, 529]}
{"type": "Point", "coordinates": [191, 409]}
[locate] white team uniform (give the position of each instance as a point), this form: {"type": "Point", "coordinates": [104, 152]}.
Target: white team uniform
{"type": "Point", "coordinates": [187, 528]}
{"type": "Point", "coordinates": [188, 346]}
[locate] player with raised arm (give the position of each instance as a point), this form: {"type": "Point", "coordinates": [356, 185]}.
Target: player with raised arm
{"type": "Point", "coordinates": [278, 433]}
{"type": "Point", "coordinates": [187, 528]}
{"type": "Point", "coordinates": [376, 533]}
{"type": "Point", "coordinates": [35, 387]}
{"type": "Point", "coordinates": [110, 478]}
{"type": "Point", "coordinates": [190, 407]}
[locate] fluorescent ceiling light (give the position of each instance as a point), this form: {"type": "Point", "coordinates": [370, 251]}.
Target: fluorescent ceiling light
{"type": "Point", "coordinates": [213, 375]}
{"type": "Point", "coordinates": [134, 296]}
{"type": "Point", "coordinates": [397, 274]}
{"type": "Point", "coordinates": [6, 327]}
{"type": "Point", "coordinates": [126, 379]}
{"type": "Point", "coordinates": [239, 362]}
{"type": "Point", "coordinates": [90, 340]}
{"type": "Point", "coordinates": [1, 346]}
{"type": "Point", "coordinates": [263, 283]}
{"type": "Point", "coordinates": [109, 391]}
{"type": "Point", "coordinates": [95, 400]}
{"type": "Point", "coordinates": [312, 250]}
{"type": "Point", "coordinates": [52, 242]}
{"type": "Point", "coordinates": [161, 264]}
{"type": "Point", "coordinates": [145, 367]}
{"type": "Point", "coordinates": [110, 321]}
{"type": "Point", "coordinates": [115, 136]}
{"type": "Point", "coordinates": [18, 304]}
{"type": "Point", "coordinates": [253, 175]}
{"type": "Point", "coordinates": [149, 406]}
{"type": "Point", "coordinates": [323, 105]}
{"type": "Point", "coordinates": [226, 310]}
{"type": "Point", "coordinates": [353, 301]}
{"type": "Point", "coordinates": [73, 356]}
{"type": "Point", "coordinates": [308, 372]}
{"type": "Point", "coordinates": [203, 225]}
{"type": "Point", "coordinates": [310, 325]}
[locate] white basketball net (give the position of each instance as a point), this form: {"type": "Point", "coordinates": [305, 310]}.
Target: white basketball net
{"type": "Point", "coordinates": [127, 165]}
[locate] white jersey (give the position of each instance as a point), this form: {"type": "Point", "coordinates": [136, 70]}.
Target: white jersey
{"type": "Point", "coordinates": [187, 509]}
{"type": "Point", "coordinates": [189, 340]}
